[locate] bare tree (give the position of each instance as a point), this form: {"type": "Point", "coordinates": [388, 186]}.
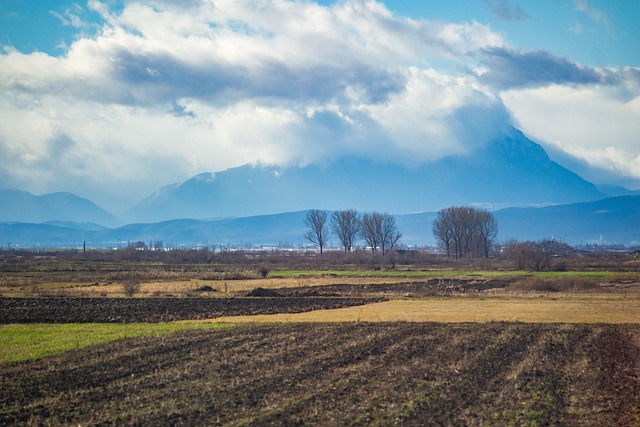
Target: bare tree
{"type": "Point", "coordinates": [555, 248]}
{"type": "Point", "coordinates": [517, 253]}
{"type": "Point", "coordinates": [316, 222]}
{"type": "Point", "coordinates": [443, 231]}
{"type": "Point", "coordinates": [346, 225]}
{"type": "Point", "coordinates": [465, 231]}
{"type": "Point", "coordinates": [538, 258]}
{"type": "Point", "coordinates": [379, 230]}
{"type": "Point", "coordinates": [371, 230]}
{"type": "Point", "coordinates": [487, 229]}
{"type": "Point", "coordinates": [389, 234]}
{"type": "Point", "coordinates": [528, 255]}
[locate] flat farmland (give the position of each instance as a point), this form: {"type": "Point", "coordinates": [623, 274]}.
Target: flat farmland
{"type": "Point", "coordinates": [215, 345]}
{"type": "Point", "coordinates": [339, 374]}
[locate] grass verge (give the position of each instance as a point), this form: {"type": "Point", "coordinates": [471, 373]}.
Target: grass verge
{"type": "Point", "coordinates": [33, 341]}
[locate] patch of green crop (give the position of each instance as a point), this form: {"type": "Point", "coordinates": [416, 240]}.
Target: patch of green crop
{"type": "Point", "coordinates": [33, 341]}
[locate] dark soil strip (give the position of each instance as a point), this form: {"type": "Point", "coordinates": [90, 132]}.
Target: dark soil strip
{"type": "Point", "coordinates": [126, 310]}
{"type": "Point", "coordinates": [341, 374]}
{"type": "Point", "coordinates": [409, 289]}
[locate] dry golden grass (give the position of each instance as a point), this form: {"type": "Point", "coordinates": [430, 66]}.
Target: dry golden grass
{"type": "Point", "coordinates": [561, 309]}
{"type": "Point", "coordinates": [185, 287]}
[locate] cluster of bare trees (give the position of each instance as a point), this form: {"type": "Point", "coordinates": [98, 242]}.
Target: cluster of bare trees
{"type": "Point", "coordinates": [464, 231]}
{"type": "Point", "coordinates": [535, 256]}
{"type": "Point", "coordinates": [378, 230]}
{"type": "Point", "coordinates": [461, 232]}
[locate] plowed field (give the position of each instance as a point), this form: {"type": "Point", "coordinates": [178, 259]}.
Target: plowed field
{"type": "Point", "coordinates": [337, 374]}
{"type": "Point", "coordinates": [120, 310]}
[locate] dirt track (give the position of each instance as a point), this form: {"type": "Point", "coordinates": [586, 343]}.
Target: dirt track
{"type": "Point", "coordinates": [123, 310]}
{"type": "Point", "coordinates": [360, 374]}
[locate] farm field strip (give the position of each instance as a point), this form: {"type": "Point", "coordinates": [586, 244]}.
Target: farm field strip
{"type": "Point", "coordinates": [133, 310]}
{"type": "Point", "coordinates": [33, 341]}
{"type": "Point", "coordinates": [156, 282]}
{"type": "Point", "coordinates": [154, 288]}
{"type": "Point", "coordinates": [339, 374]}
{"type": "Point", "coordinates": [448, 273]}
{"type": "Point", "coordinates": [226, 287]}
{"type": "Point", "coordinates": [565, 309]}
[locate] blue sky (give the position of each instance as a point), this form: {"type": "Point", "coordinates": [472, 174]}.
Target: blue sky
{"type": "Point", "coordinates": [112, 99]}
{"type": "Point", "coordinates": [594, 33]}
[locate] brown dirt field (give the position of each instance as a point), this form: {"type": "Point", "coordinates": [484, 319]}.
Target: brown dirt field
{"type": "Point", "coordinates": [413, 289]}
{"type": "Point", "coordinates": [339, 374]}
{"type": "Point", "coordinates": [123, 310]}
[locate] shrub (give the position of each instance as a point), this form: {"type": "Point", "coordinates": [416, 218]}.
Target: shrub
{"type": "Point", "coordinates": [131, 286]}
{"type": "Point", "coordinates": [263, 272]}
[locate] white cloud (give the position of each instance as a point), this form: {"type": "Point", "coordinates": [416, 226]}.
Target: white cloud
{"type": "Point", "coordinates": [596, 14]}
{"type": "Point", "coordinates": [166, 90]}
{"type": "Point", "coordinates": [598, 124]}
{"type": "Point", "coordinates": [71, 16]}
{"type": "Point", "coordinates": [240, 49]}
{"type": "Point", "coordinates": [438, 114]}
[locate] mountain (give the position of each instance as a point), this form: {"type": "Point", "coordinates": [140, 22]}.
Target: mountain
{"type": "Point", "coordinates": [269, 230]}
{"type": "Point", "coordinates": [21, 206]}
{"type": "Point", "coordinates": [285, 230]}
{"type": "Point", "coordinates": [614, 190]}
{"type": "Point", "coordinates": [46, 235]}
{"type": "Point", "coordinates": [614, 220]}
{"type": "Point", "coordinates": [511, 170]}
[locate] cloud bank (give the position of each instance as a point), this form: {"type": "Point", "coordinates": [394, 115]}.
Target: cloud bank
{"type": "Point", "coordinates": [166, 90]}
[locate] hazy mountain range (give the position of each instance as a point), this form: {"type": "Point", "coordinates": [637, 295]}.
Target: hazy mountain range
{"type": "Point", "coordinates": [21, 206]}
{"type": "Point", "coordinates": [265, 205]}
{"type": "Point", "coordinates": [509, 171]}
{"type": "Point", "coordinates": [611, 220]}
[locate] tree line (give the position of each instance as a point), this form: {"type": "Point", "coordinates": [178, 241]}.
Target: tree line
{"type": "Point", "coordinates": [378, 230]}
{"type": "Point", "coordinates": [464, 231]}
{"type": "Point", "coordinates": [460, 231]}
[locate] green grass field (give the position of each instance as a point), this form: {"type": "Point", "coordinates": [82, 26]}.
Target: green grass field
{"type": "Point", "coordinates": [33, 341]}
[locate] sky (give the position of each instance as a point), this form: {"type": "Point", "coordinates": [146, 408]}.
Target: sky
{"type": "Point", "coordinates": [114, 99]}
